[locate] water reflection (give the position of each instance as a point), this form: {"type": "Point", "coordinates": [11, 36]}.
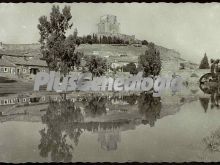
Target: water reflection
{"type": "Point", "coordinates": [214, 98]}
{"type": "Point", "coordinates": [65, 119]}
{"type": "Point", "coordinates": [212, 141]}
{"type": "Point", "coordinates": [58, 119]}
{"type": "Point", "coordinates": [149, 107]}
{"type": "Point", "coordinates": [95, 106]}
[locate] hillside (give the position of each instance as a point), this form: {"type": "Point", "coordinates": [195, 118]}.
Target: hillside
{"type": "Point", "coordinates": [170, 58]}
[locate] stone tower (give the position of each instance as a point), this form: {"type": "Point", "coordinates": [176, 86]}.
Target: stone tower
{"type": "Point", "coordinates": [108, 24]}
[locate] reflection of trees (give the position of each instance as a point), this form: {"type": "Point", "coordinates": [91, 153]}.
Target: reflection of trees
{"type": "Point", "coordinates": [150, 107]}
{"type": "Point", "coordinates": [58, 118]}
{"type": "Point", "coordinates": [215, 99]}
{"type": "Point", "coordinates": [131, 99]}
{"type": "Point", "coordinates": [204, 103]}
{"type": "Point", "coordinates": [95, 106]}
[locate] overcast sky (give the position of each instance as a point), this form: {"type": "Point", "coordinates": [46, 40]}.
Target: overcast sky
{"type": "Point", "coordinates": [190, 28]}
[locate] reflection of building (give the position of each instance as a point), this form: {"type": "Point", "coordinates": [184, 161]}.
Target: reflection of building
{"type": "Point", "coordinates": [109, 139]}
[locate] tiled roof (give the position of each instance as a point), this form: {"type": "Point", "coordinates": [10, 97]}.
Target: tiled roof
{"type": "Point", "coordinates": [37, 62]}
{"type": "Point", "coordinates": [30, 62]}
{"type": "Point", "coordinates": [20, 53]}
{"type": "Point", "coordinates": [4, 62]}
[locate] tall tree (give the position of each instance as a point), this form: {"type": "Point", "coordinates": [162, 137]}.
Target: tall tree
{"type": "Point", "coordinates": [55, 46]}
{"type": "Point", "coordinates": [75, 33]}
{"type": "Point", "coordinates": [204, 63]}
{"type": "Point", "coordinates": [89, 39]}
{"type": "Point", "coordinates": [104, 40]}
{"type": "Point", "coordinates": [150, 62]}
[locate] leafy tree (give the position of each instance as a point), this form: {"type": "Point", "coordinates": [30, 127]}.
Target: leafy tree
{"type": "Point", "coordinates": [89, 39]}
{"type": "Point", "coordinates": [55, 46]}
{"type": "Point", "coordinates": [182, 66]}
{"type": "Point", "coordinates": [127, 42]}
{"type": "Point", "coordinates": [104, 40]}
{"type": "Point", "coordinates": [75, 33]}
{"type": "Point", "coordinates": [150, 62]}
{"type": "Point", "coordinates": [131, 68]}
{"type": "Point", "coordinates": [204, 63]}
{"type": "Point", "coordinates": [109, 40]}
{"type": "Point", "coordinates": [96, 65]}
{"type": "Point", "coordinates": [95, 39]}
{"type": "Point", "coordinates": [144, 42]}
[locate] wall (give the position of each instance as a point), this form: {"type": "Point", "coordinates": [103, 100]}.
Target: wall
{"type": "Point", "coordinates": [9, 72]}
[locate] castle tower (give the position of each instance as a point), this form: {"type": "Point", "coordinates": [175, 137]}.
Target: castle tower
{"type": "Point", "coordinates": [108, 24]}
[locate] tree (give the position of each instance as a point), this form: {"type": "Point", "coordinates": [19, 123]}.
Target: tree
{"type": "Point", "coordinates": [70, 58]}
{"type": "Point", "coordinates": [131, 68]}
{"type": "Point", "coordinates": [55, 46]}
{"type": "Point", "coordinates": [109, 40]}
{"type": "Point", "coordinates": [104, 40]}
{"type": "Point", "coordinates": [95, 39]}
{"type": "Point", "coordinates": [89, 39]}
{"type": "Point", "coordinates": [204, 63]}
{"type": "Point", "coordinates": [150, 62]}
{"type": "Point", "coordinates": [75, 33]}
{"type": "Point", "coordinates": [182, 66]}
{"type": "Point", "coordinates": [144, 42]}
{"type": "Point", "coordinates": [96, 65]}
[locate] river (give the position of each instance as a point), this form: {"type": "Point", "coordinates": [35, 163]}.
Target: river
{"type": "Point", "coordinates": [93, 128]}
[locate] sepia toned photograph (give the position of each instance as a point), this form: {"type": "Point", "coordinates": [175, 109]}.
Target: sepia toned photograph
{"type": "Point", "coordinates": [109, 82]}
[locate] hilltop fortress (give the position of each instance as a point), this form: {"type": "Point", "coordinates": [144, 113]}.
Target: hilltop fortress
{"type": "Point", "coordinates": [109, 26]}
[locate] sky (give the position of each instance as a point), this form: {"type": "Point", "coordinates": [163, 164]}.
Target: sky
{"type": "Point", "coordinates": [189, 28]}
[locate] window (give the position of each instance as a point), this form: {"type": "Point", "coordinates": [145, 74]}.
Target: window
{"type": "Point", "coordinates": [43, 98]}
{"type": "Point", "coordinates": [5, 101]}
{"type": "Point", "coordinates": [24, 70]}
{"type": "Point", "coordinates": [5, 69]}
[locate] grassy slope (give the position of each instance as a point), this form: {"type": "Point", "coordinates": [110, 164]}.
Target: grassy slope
{"type": "Point", "coordinates": [169, 57]}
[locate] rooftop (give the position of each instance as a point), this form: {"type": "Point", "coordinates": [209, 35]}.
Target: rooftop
{"type": "Point", "coordinates": [30, 62]}
{"type": "Point", "coordinates": [4, 62]}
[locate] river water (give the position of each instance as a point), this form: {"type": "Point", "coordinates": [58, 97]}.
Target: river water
{"type": "Point", "coordinates": [95, 128]}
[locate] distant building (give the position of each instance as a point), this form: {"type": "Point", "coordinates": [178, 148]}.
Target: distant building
{"type": "Point", "coordinates": [108, 24]}
{"type": "Point", "coordinates": [109, 27]}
